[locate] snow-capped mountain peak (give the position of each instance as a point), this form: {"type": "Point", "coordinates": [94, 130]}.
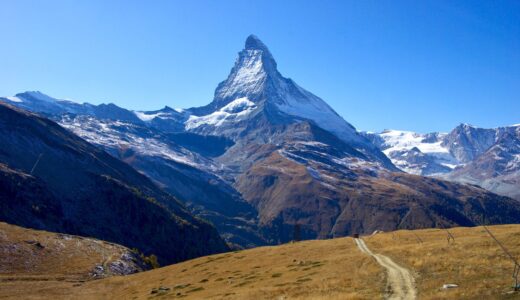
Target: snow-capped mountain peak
{"type": "Point", "coordinates": [249, 75]}
{"type": "Point", "coordinates": [255, 76]}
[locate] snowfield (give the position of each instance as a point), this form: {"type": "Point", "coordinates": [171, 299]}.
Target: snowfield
{"type": "Point", "coordinates": [397, 140]}
{"type": "Point", "coordinates": [234, 111]}
{"type": "Point", "coordinates": [145, 116]}
{"type": "Point", "coordinates": [416, 153]}
{"type": "Point", "coordinates": [14, 99]}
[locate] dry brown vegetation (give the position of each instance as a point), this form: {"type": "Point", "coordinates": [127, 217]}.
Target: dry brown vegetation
{"type": "Point", "coordinates": [337, 201]}
{"type": "Point", "coordinates": [323, 269]}
{"type": "Point", "coordinates": [35, 263]}
{"type": "Point", "coordinates": [326, 269]}
{"type": "Point", "coordinates": [474, 261]}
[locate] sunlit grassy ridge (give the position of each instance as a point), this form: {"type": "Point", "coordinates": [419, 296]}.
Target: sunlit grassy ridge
{"type": "Point", "coordinates": [473, 261]}
{"type": "Point", "coordinates": [310, 269]}
{"type": "Point", "coordinates": [322, 269]}
{"type": "Point", "coordinates": [36, 263]}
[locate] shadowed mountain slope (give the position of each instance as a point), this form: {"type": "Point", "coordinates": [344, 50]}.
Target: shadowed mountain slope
{"type": "Point", "coordinates": [90, 193]}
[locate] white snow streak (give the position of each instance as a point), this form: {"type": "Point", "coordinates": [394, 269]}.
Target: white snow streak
{"type": "Point", "coordinates": [234, 111]}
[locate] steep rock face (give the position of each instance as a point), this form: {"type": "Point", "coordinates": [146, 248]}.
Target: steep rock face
{"type": "Point", "coordinates": [466, 142]}
{"type": "Point", "coordinates": [498, 168]}
{"type": "Point", "coordinates": [91, 193]}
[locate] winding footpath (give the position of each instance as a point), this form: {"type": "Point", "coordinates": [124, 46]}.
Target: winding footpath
{"type": "Point", "coordinates": [400, 280]}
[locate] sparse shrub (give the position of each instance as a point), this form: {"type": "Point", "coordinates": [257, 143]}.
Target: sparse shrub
{"type": "Point", "coordinates": [150, 260]}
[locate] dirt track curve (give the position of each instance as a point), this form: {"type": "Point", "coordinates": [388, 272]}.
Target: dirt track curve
{"type": "Point", "coordinates": [400, 280]}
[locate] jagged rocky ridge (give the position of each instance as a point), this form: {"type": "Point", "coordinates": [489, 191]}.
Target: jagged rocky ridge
{"type": "Point", "coordinates": [280, 157]}
{"type": "Point", "coordinates": [486, 157]}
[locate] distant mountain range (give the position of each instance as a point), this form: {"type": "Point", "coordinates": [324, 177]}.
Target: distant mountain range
{"type": "Point", "coordinates": [486, 157]}
{"type": "Point", "coordinates": [266, 156]}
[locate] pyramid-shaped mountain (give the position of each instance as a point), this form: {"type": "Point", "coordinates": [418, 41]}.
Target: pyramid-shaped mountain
{"type": "Point", "coordinates": [255, 84]}
{"type": "Point", "coordinates": [256, 96]}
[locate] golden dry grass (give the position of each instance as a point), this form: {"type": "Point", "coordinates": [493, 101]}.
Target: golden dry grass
{"type": "Point", "coordinates": [329, 269]}
{"type": "Point", "coordinates": [35, 263]}
{"type": "Point", "coordinates": [474, 261]}
{"type": "Point", "coordinates": [324, 269]}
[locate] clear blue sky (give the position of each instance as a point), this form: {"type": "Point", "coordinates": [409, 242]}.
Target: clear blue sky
{"type": "Point", "coordinates": [414, 65]}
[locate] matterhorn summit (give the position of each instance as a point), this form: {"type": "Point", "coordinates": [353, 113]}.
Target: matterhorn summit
{"type": "Point", "coordinates": [256, 83]}
{"type": "Point", "coordinates": [254, 69]}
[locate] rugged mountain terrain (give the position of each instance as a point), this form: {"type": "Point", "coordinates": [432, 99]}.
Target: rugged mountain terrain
{"type": "Point", "coordinates": [266, 156]}
{"type": "Point", "coordinates": [486, 157]}
{"type": "Point", "coordinates": [414, 153]}
{"type": "Point", "coordinates": [297, 168]}
{"type": "Point", "coordinates": [496, 168]}
{"type": "Point", "coordinates": [51, 179]}
{"type": "Point", "coordinates": [178, 161]}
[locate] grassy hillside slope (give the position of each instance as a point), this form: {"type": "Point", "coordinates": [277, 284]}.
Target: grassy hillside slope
{"type": "Point", "coordinates": [33, 262]}
{"type": "Point", "coordinates": [323, 269]}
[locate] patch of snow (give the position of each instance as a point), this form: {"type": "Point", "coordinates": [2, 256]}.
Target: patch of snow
{"type": "Point", "coordinates": [356, 163]}
{"type": "Point", "coordinates": [108, 134]}
{"type": "Point", "coordinates": [14, 99]}
{"type": "Point", "coordinates": [451, 166]}
{"type": "Point", "coordinates": [234, 111]}
{"type": "Point", "coordinates": [312, 143]}
{"type": "Point", "coordinates": [146, 117]}
{"type": "Point", "coordinates": [397, 140]}
{"type": "Point", "coordinates": [450, 286]}
{"type": "Point", "coordinates": [514, 163]}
